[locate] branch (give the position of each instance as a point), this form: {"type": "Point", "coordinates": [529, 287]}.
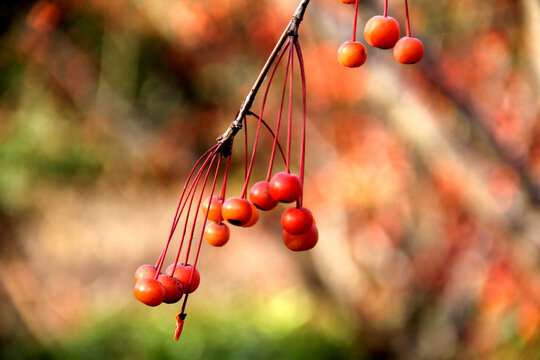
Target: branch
{"type": "Point", "coordinates": [225, 139]}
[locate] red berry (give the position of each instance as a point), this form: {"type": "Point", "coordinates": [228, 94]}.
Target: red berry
{"type": "Point", "coordinates": [145, 271]}
{"type": "Point", "coordinates": [254, 216]}
{"type": "Point", "coordinates": [382, 32]}
{"type": "Point", "coordinates": [236, 211]}
{"type": "Point", "coordinates": [352, 54]}
{"type": "Point", "coordinates": [216, 234]}
{"type": "Point", "coordinates": [149, 291]}
{"type": "Point", "coordinates": [260, 196]}
{"type": "Point", "coordinates": [215, 208]}
{"type": "Point", "coordinates": [183, 273]}
{"type": "Point", "coordinates": [285, 187]}
{"type": "Point", "coordinates": [303, 241]}
{"type": "Point", "coordinates": [174, 289]}
{"type": "Point", "coordinates": [408, 50]}
{"type": "Point", "coordinates": [296, 221]}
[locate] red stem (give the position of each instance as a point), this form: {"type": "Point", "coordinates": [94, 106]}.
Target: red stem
{"type": "Point", "coordinates": [272, 157]}
{"type": "Point", "coordinates": [289, 117]}
{"type": "Point", "coordinates": [385, 8]}
{"type": "Point", "coordinates": [304, 114]}
{"type": "Point", "coordinates": [178, 212]}
{"type": "Point", "coordinates": [273, 136]}
{"type": "Point", "coordinates": [407, 17]}
{"type": "Point", "coordinates": [256, 141]}
{"type": "Point", "coordinates": [355, 20]}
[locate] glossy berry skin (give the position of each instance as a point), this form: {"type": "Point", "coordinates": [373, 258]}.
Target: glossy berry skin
{"type": "Point", "coordinates": [183, 273]}
{"type": "Point", "coordinates": [174, 289]}
{"type": "Point", "coordinates": [303, 241]}
{"type": "Point", "coordinates": [145, 271]}
{"type": "Point", "coordinates": [215, 208]}
{"type": "Point", "coordinates": [216, 234]}
{"type": "Point", "coordinates": [254, 216]}
{"type": "Point", "coordinates": [259, 195]}
{"type": "Point", "coordinates": [285, 187]}
{"type": "Point", "coordinates": [236, 211]}
{"type": "Point", "coordinates": [149, 291]}
{"type": "Point", "coordinates": [408, 50]}
{"type": "Point", "coordinates": [296, 221]}
{"type": "Point", "coordinates": [382, 32]}
{"type": "Point", "coordinates": [352, 54]}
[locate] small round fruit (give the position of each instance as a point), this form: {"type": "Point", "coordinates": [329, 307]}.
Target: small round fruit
{"type": "Point", "coordinates": [216, 234]}
{"type": "Point", "coordinates": [254, 216]}
{"type": "Point", "coordinates": [183, 273]}
{"type": "Point", "coordinates": [296, 221]}
{"type": "Point", "coordinates": [260, 196]}
{"type": "Point", "coordinates": [382, 32]}
{"type": "Point", "coordinates": [149, 291]}
{"type": "Point", "coordinates": [285, 187]}
{"type": "Point", "coordinates": [303, 241]}
{"type": "Point", "coordinates": [174, 289]}
{"type": "Point", "coordinates": [352, 54]}
{"type": "Point", "coordinates": [145, 271]}
{"type": "Point", "coordinates": [236, 211]}
{"type": "Point", "coordinates": [215, 208]}
{"type": "Point", "coordinates": [408, 50]}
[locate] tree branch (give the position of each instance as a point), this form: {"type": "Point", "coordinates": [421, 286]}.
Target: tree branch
{"type": "Point", "coordinates": [291, 30]}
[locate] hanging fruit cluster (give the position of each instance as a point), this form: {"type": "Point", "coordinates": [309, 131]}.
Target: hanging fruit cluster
{"type": "Point", "coordinates": [217, 211]}
{"type": "Point", "coordinates": [381, 31]}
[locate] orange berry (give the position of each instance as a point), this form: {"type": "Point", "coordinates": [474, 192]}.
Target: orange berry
{"type": "Point", "coordinates": [149, 291]}
{"type": "Point", "coordinates": [260, 196]}
{"type": "Point", "coordinates": [183, 273]}
{"type": "Point", "coordinates": [382, 32]}
{"type": "Point", "coordinates": [303, 241]}
{"type": "Point", "coordinates": [174, 289]}
{"type": "Point", "coordinates": [215, 208]}
{"type": "Point", "coordinates": [216, 234]}
{"type": "Point", "coordinates": [352, 54]}
{"type": "Point", "coordinates": [296, 220]}
{"type": "Point", "coordinates": [145, 271]}
{"type": "Point", "coordinates": [236, 211]}
{"type": "Point", "coordinates": [254, 216]}
{"type": "Point", "coordinates": [285, 187]}
{"type": "Point", "coordinates": [408, 50]}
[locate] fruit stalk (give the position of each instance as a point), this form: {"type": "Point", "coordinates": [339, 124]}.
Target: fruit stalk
{"type": "Point", "coordinates": [225, 139]}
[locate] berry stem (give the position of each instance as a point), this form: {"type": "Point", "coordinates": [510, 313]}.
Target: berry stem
{"type": "Point", "coordinates": [385, 8]}
{"type": "Point", "coordinates": [272, 157]}
{"type": "Point", "coordinates": [407, 18]}
{"type": "Point", "coordinates": [355, 20]}
{"type": "Point", "coordinates": [304, 116]}
{"type": "Point", "coordinates": [271, 134]}
{"type": "Point", "coordinates": [179, 209]}
{"type": "Point", "coordinates": [289, 117]}
{"type": "Point", "coordinates": [263, 105]}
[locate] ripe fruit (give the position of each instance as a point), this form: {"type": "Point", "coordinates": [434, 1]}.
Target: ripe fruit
{"type": "Point", "coordinates": [254, 216]}
{"type": "Point", "coordinates": [352, 54]}
{"type": "Point", "coordinates": [183, 273]}
{"type": "Point", "coordinates": [382, 32]}
{"type": "Point", "coordinates": [236, 211]}
{"type": "Point", "coordinates": [149, 291]}
{"type": "Point", "coordinates": [260, 196]}
{"type": "Point", "coordinates": [408, 50]}
{"type": "Point", "coordinates": [216, 234]}
{"type": "Point", "coordinates": [215, 208]}
{"type": "Point", "coordinates": [174, 289]}
{"type": "Point", "coordinates": [303, 241]}
{"type": "Point", "coordinates": [296, 221]}
{"type": "Point", "coordinates": [145, 271]}
{"type": "Point", "coordinates": [285, 187]}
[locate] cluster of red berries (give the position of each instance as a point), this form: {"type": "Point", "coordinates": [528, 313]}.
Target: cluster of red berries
{"type": "Point", "coordinates": [299, 230]}
{"type": "Point", "coordinates": [153, 288]}
{"type": "Point", "coordinates": [381, 32]}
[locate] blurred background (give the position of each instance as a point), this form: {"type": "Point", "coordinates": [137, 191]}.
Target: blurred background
{"type": "Point", "coordinates": [424, 181]}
